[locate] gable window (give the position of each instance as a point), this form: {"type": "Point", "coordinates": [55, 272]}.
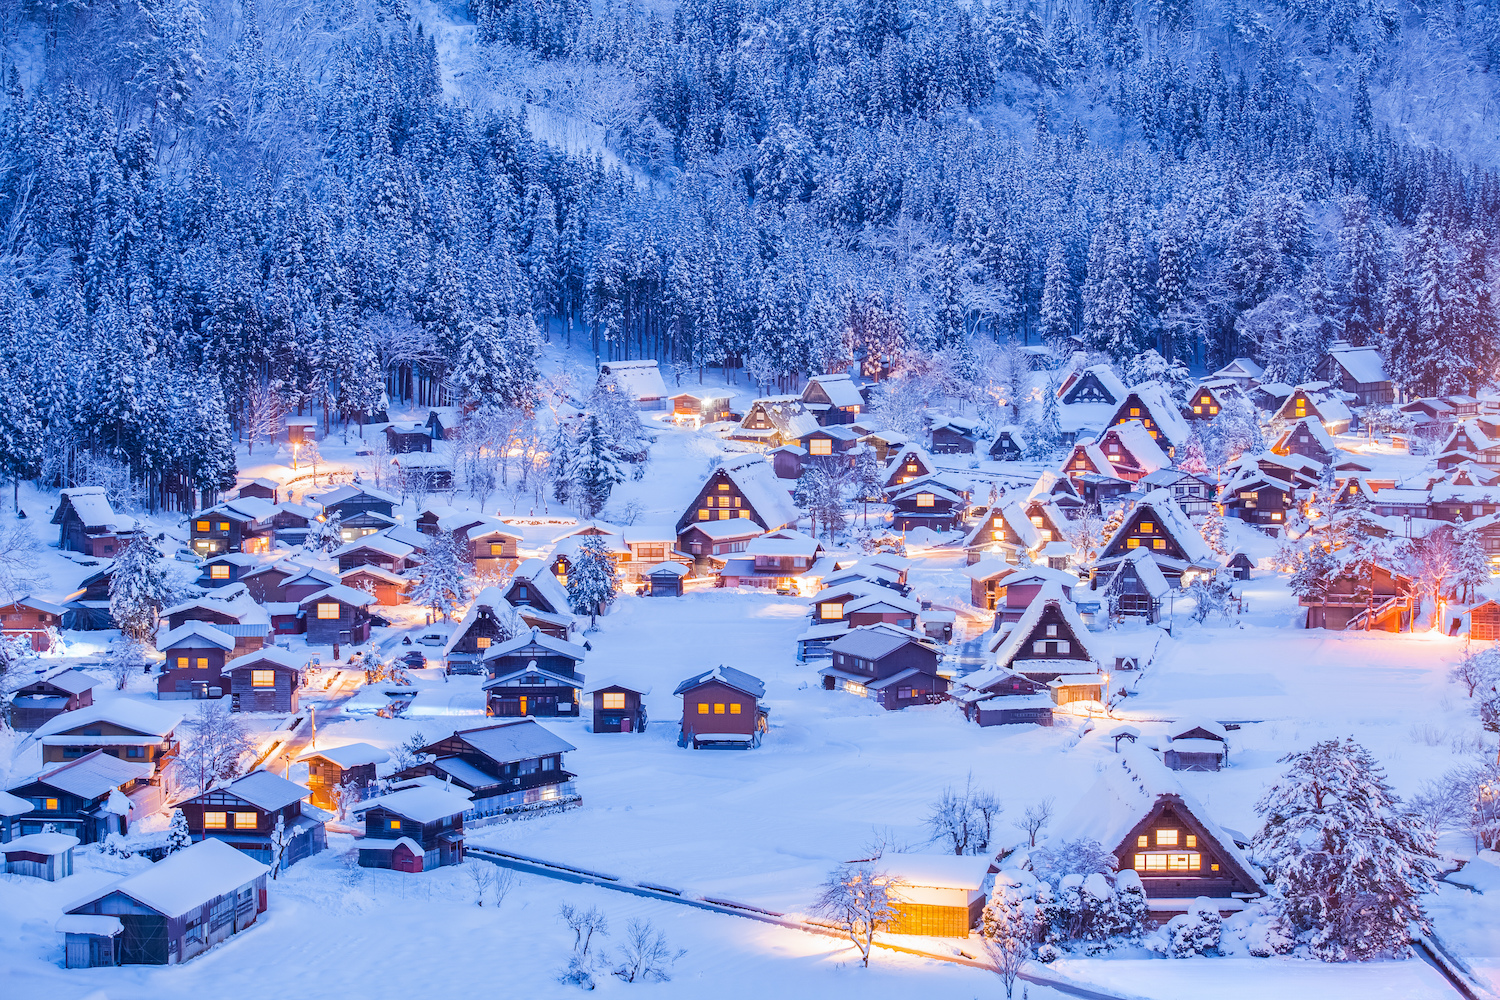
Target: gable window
{"type": "Point", "coordinates": [223, 525]}
{"type": "Point", "coordinates": [218, 571]}
{"type": "Point", "coordinates": [1197, 409]}
{"type": "Point", "coordinates": [734, 708]}
{"type": "Point", "coordinates": [246, 821]}
{"type": "Point", "coordinates": [1051, 630]}
{"type": "Point", "coordinates": [1166, 838]}
{"type": "Point", "coordinates": [1132, 543]}
{"type": "Point", "coordinates": [262, 678]}
{"type": "Point", "coordinates": [1147, 527]}
{"type": "Point", "coordinates": [702, 515]}
{"type": "Point", "coordinates": [1135, 411]}
{"type": "Point", "coordinates": [216, 820]}
{"type": "Point", "coordinates": [328, 611]}
{"type": "Point", "coordinates": [718, 709]}
{"type": "Point", "coordinates": [820, 446]}
{"type": "Point", "coordinates": [723, 487]}
{"type": "Point", "coordinates": [926, 500]}
{"type": "Point", "coordinates": [483, 642]}
{"type": "Point", "coordinates": [1158, 543]}
{"type": "Point", "coordinates": [393, 824]}
{"type": "Point", "coordinates": [831, 611]}
{"type": "Point", "coordinates": [614, 699]}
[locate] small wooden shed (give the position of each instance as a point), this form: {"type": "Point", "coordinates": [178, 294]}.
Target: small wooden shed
{"type": "Point", "coordinates": [351, 766]}
{"type": "Point", "coordinates": [40, 855]}
{"type": "Point", "coordinates": [666, 579]}
{"type": "Point", "coordinates": [940, 895]}
{"type": "Point", "coordinates": [619, 709]}
{"type": "Point", "coordinates": [1484, 621]}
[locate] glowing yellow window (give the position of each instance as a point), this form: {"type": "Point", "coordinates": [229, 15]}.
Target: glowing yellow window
{"type": "Point", "coordinates": [50, 805]}
{"type": "Point", "coordinates": [1184, 862]}
{"type": "Point", "coordinates": [216, 820]}
{"type": "Point", "coordinates": [497, 548]}
{"type": "Point", "coordinates": [1147, 527]}
{"type": "Point", "coordinates": [202, 526]}
{"type": "Point", "coordinates": [1301, 411]}
{"type": "Point", "coordinates": [262, 678]}
{"type": "Point", "coordinates": [820, 446]}
{"type": "Point", "coordinates": [223, 525]}
{"type": "Point", "coordinates": [702, 515]}
{"type": "Point", "coordinates": [1132, 543]}
{"type": "Point", "coordinates": [182, 663]}
{"type": "Point", "coordinates": [394, 824]}
{"type": "Point", "coordinates": [926, 499]}
{"type": "Point", "coordinates": [723, 487]}
{"type": "Point", "coordinates": [202, 663]}
{"type": "Point", "coordinates": [744, 513]}
{"type": "Point", "coordinates": [1135, 411]}
{"type": "Point", "coordinates": [218, 571]}
{"type": "Point", "coordinates": [1192, 840]}
{"type": "Point", "coordinates": [998, 535]}
{"type": "Point", "coordinates": [734, 709]}
{"type": "Point", "coordinates": [1213, 867]}
{"type": "Point", "coordinates": [1080, 464]}
{"type": "Point", "coordinates": [725, 515]}
{"type": "Point", "coordinates": [1166, 838]}
{"type": "Point", "coordinates": [736, 501]}
{"type": "Point", "coordinates": [831, 611]}
{"type": "Point", "coordinates": [328, 611]}
{"type": "Point", "coordinates": [614, 699]}
{"type": "Point", "coordinates": [1158, 543]}
{"type": "Point", "coordinates": [718, 708]}
{"type": "Point", "coordinates": [1197, 409]}
{"type": "Point", "coordinates": [703, 708]}
{"type": "Point", "coordinates": [483, 642]}
{"type": "Point", "coordinates": [1213, 410]}
{"type": "Point", "coordinates": [244, 821]}
{"type": "Point", "coordinates": [1142, 841]}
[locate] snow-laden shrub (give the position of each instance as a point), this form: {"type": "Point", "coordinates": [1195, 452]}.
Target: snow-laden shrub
{"type": "Point", "coordinates": [1258, 931]}
{"type": "Point", "coordinates": [1096, 911]}
{"type": "Point", "coordinates": [1196, 932]}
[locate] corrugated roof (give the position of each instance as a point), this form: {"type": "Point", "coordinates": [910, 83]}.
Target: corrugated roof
{"type": "Point", "coordinates": [187, 879]}
{"type": "Point", "coordinates": [91, 776]}
{"type": "Point", "coordinates": [513, 741]}
{"type": "Point", "coordinates": [737, 679]}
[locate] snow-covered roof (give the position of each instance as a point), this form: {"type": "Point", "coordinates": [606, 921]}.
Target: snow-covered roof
{"type": "Point", "coordinates": [1093, 453]}
{"type": "Point", "coordinates": [987, 569]}
{"type": "Point", "coordinates": [756, 480]}
{"type": "Point", "coordinates": [936, 871]}
{"type": "Point", "coordinates": [70, 680]}
{"type": "Point", "coordinates": [536, 637]}
{"type": "Point", "coordinates": [1240, 368]}
{"type": "Point", "coordinates": [527, 675]}
{"type": "Point", "coordinates": [737, 679]}
{"type": "Point", "coordinates": [1160, 407]}
{"type": "Point", "coordinates": [40, 843]}
{"type": "Point", "coordinates": [1135, 439]}
{"type": "Point", "coordinates": [341, 494]}
{"type": "Point", "coordinates": [374, 571]}
{"type": "Point", "coordinates": [341, 593]}
{"type": "Point", "coordinates": [1364, 364]}
{"type": "Point", "coordinates": [512, 741]}
{"type": "Point", "coordinates": [784, 543]}
{"type": "Point", "coordinates": [466, 774]}
{"type": "Point", "coordinates": [536, 573]}
{"type": "Point", "coordinates": [1331, 409]}
{"type": "Point", "coordinates": [419, 803]}
{"type": "Point", "coordinates": [671, 568]}
{"type": "Point", "coordinates": [639, 379]}
{"type": "Point", "coordinates": [13, 805]}
{"type": "Point", "coordinates": [868, 644]}
{"type": "Point", "coordinates": [91, 776]}
{"type": "Point", "coordinates": [1008, 645]}
{"type": "Point", "coordinates": [1315, 427]}
{"type": "Point", "coordinates": [1146, 568]}
{"type": "Point", "coordinates": [1171, 517]}
{"type": "Point", "coordinates": [927, 486]}
{"type": "Point", "coordinates": [731, 528]}
{"type": "Point", "coordinates": [233, 601]}
{"type": "Point", "coordinates": [849, 588]}
{"type": "Point", "coordinates": [268, 654]}
{"type": "Point", "coordinates": [1185, 726]}
{"type": "Point", "coordinates": [94, 925]}
{"type": "Point", "coordinates": [349, 755]}
{"type": "Point", "coordinates": [884, 596]}
{"type": "Point", "coordinates": [37, 604]}
{"type": "Point", "coordinates": [127, 713]}
{"type": "Point", "coordinates": [379, 542]}
{"type": "Point", "coordinates": [92, 507]}
{"type": "Point", "coordinates": [186, 879]}
{"type": "Point", "coordinates": [840, 389]}
{"type": "Point", "coordinates": [489, 599]}
{"type": "Point", "coordinates": [195, 633]}
{"type": "Point", "coordinates": [1125, 792]}
{"type": "Point", "coordinates": [266, 790]}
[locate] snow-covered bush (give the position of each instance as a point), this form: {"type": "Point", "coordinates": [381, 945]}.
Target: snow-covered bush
{"type": "Point", "coordinates": [1196, 932]}
{"type": "Point", "coordinates": [583, 961]}
{"type": "Point", "coordinates": [1094, 912]}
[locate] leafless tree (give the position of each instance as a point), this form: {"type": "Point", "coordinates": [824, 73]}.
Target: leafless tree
{"type": "Point", "coordinates": [126, 658]}
{"type": "Point", "coordinates": [645, 956]}
{"type": "Point", "coordinates": [378, 462]}
{"type": "Point", "coordinates": [280, 841]}
{"type": "Point", "coordinates": [505, 881]}
{"type": "Point", "coordinates": [217, 741]}
{"type": "Point", "coordinates": [1432, 561]}
{"type": "Point", "coordinates": [964, 820]}
{"type": "Point", "coordinates": [859, 898]}
{"type": "Point", "coordinates": [262, 416]}
{"type": "Point", "coordinates": [1034, 820]}
{"type": "Point", "coordinates": [18, 561]}
{"type": "Point", "coordinates": [482, 875]}
{"type": "Point", "coordinates": [584, 924]}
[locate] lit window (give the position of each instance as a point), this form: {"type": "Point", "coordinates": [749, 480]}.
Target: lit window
{"type": "Point", "coordinates": [703, 708]}
{"type": "Point", "coordinates": [1147, 527]}
{"type": "Point", "coordinates": [262, 678]}
{"type": "Point", "coordinates": [1142, 841]}
{"type": "Point", "coordinates": [718, 709]}
{"type": "Point", "coordinates": [216, 820]}
{"type": "Point", "coordinates": [926, 499]}
{"type": "Point", "coordinates": [497, 548]}
{"type": "Point", "coordinates": [998, 535]}
{"type": "Point", "coordinates": [245, 821]}
{"type": "Point", "coordinates": [328, 611]}
{"type": "Point", "coordinates": [702, 515]}
{"type": "Point", "coordinates": [725, 515]}
{"type": "Point", "coordinates": [1213, 411]}
{"type": "Point", "coordinates": [734, 709]}
{"type": "Point", "coordinates": [723, 487]}
{"type": "Point", "coordinates": [1276, 516]}
{"type": "Point", "coordinates": [202, 663]}
{"type": "Point", "coordinates": [1132, 543]}
{"type": "Point", "coordinates": [831, 611]}
{"type": "Point", "coordinates": [202, 526]}
{"type": "Point", "coordinates": [1192, 840]}
{"type": "Point", "coordinates": [1135, 411]}
{"type": "Point", "coordinates": [223, 525]}
{"type": "Point", "coordinates": [820, 446]}
{"type": "Point", "coordinates": [1166, 838]}
{"type": "Point", "coordinates": [218, 571]}
{"type": "Point", "coordinates": [182, 662]}
{"type": "Point", "coordinates": [1158, 543]}
{"type": "Point", "coordinates": [1197, 409]}
{"type": "Point", "coordinates": [744, 513]}
{"type": "Point", "coordinates": [483, 642]}
{"type": "Point", "coordinates": [50, 805]}
{"type": "Point", "coordinates": [723, 501]}
{"type": "Point", "coordinates": [614, 699]}
{"type": "Point", "coordinates": [393, 824]}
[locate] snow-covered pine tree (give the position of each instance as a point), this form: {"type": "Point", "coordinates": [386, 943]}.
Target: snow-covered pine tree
{"type": "Point", "coordinates": [325, 534]}
{"type": "Point", "coordinates": [592, 580]}
{"type": "Point", "coordinates": [1350, 862]}
{"type": "Point", "coordinates": [560, 464]}
{"type": "Point", "coordinates": [443, 584]}
{"type": "Point", "coordinates": [1473, 570]}
{"type": "Point", "coordinates": [138, 589]}
{"type": "Point", "coordinates": [597, 467]}
{"type": "Point", "coordinates": [1056, 320]}
{"type": "Point", "coordinates": [20, 433]}
{"type": "Point", "coordinates": [178, 836]}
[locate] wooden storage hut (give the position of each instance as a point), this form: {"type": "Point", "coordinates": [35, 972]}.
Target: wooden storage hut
{"type": "Point", "coordinates": [244, 813]}
{"type": "Point", "coordinates": [40, 855]}
{"type": "Point", "coordinates": [267, 681]}
{"type": "Point", "coordinates": [721, 707]}
{"type": "Point", "coordinates": [351, 766]}
{"type": "Point", "coordinates": [44, 699]}
{"type": "Point", "coordinates": [938, 895]}
{"type": "Point", "coordinates": [1484, 621]}
{"type": "Point", "coordinates": [413, 829]}
{"type": "Point", "coordinates": [665, 579]}
{"type": "Point", "coordinates": [619, 709]}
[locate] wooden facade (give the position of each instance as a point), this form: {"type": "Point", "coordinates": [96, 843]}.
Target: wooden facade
{"type": "Point", "coordinates": [42, 700]}
{"type": "Point", "coordinates": [194, 664]}
{"type": "Point", "coordinates": [1374, 599]}
{"type": "Point", "coordinates": [33, 620]}
{"type": "Point", "coordinates": [721, 706]}
{"type": "Point", "coordinates": [1484, 621]}
{"type": "Point", "coordinates": [1177, 857]}
{"type": "Point", "coordinates": [244, 813]}
{"type": "Point", "coordinates": [268, 681]}
{"type": "Point", "coordinates": [618, 709]}
{"type": "Point", "coordinates": [533, 674]}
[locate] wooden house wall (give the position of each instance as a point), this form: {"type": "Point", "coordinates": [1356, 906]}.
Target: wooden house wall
{"type": "Point", "coordinates": [907, 657]}
{"type": "Point", "coordinates": [371, 557]}
{"type": "Point", "coordinates": [69, 816]}
{"type": "Point", "coordinates": [266, 587]}
{"type": "Point", "coordinates": [101, 732]}
{"type": "Point", "coordinates": [947, 441]}
{"type": "Point", "coordinates": [609, 720]}
{"type": "Point", "coordinates": [1215, 876]}
{"type": "Point", "coordinates": [714, 693]}
{"type": "Point", "coordinates": [351, 626]}
{"type": "Point", "coordinates": [1136, 533]}
{"type": "Point", "coordinates": [181, 672]}
{"type": "Point", "coordinates": [248, 698]}
{"type": "Point", "coordinates": [721, 500]}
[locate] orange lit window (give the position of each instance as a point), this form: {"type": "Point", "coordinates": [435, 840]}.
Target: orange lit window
{"type": "Point", "coordinates": [820, 446]}
{"type": "Point", "coordinates": [1192, 840]}
{"type": "Point", "coordinates": [216, 820]}
{"type": "Point", "coordinates": [1132, 543]}
{"type": "Point", "coordinates": [718, 709]}
{"type": "Point", "coordinates": [245, 821]}
{"type": "Point", "coordinates": [262, 678]}
{"type": "Point", "coordinates": [1158, 543]}
{"type": "Point", "coordinates": [483, 642]}
{"type": "Point", "coordinates": [1142, 841]}
{"type": "Point", "coordinates": [734, 709]}
{"type": "Point", "coordinates": [831, 611]}
{"type": "Point", "coordinates": [328, 611]}
{"type": "Point", "coordinates": [1135, 411]}
{"type": "Point", "coordinates": [702, 515]}
{"type": "Point", "coordinates": [202, 526]}
{"type": "Point", "coordinates": [1166, 838]}
{"type": "Point", "coordinates": [744, 513]}
{"type": "Point", "coordinates": [50, 805]}
{"type": "Point", "coordinates": [1147, 527]}
{"type": "Point", "coordinates": [223, 525]}
{"type": "Point", "coordinates": [703, 708]}
{"type": "Point", "coordinates": [218, 571]}
{"type": "Point", "coordinates": [182, 662]}
{"type": "Point", "coordinates": [614, 699]}
{"type": "Point", "coordinates": [723, 487]}
{"type": "Point", "coordinates": [202, 663]}
{"type": "Point", "coordinates": [394, 824]}
{"type": "Point", "coordinates": [926, 500]}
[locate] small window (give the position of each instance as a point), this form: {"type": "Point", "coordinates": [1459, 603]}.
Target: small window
{"type": "Point", "coordinates": [328, 611]}
{"type": "Point", "coordinates": [702, 708]}
{"type": "Point", "coordinates": [218, 571]}
{"type": "Point", "coordinates": [734, 708]}
{"type": "Point", "coordinates": [1142, 841]}
{"type": "Point", "coordinates": [1132, 543]}
{"type": "Point", "coordinates": [926, 500]}
{"type": "Point", "coordinates": [201, 526]}
{"type": "Point", "coordinates": [1135, 411]}
{"type": "Point", "coordinates": [820, 446]}
{"type": "Point", "coordinates": [216, 820]}
{"type": "Point", "coordinates": [718, 708]}
{"type": "Point", "coordinates": [1166, 838]}
{"type": "Point", "coordinates": [1052, 630]}
{"type": "Point", "coordinates": [483, 642]}
{"type": "Point", "coordinates": [135, 751]}
{"type": "Point", "coordinates": [50, 805]}
{"type": "Point", "coordinates": [723, 487]}
{"type": "Point", "coordinates": [182, 663]}
{"type": "Point", "coordinates": [497, 548]}
{"type": "Point", "coordinates": [1192, 840]}
{"type": "Point", "coordinates": [393, 824]}
{"type": "Point", "coordinates": [614, 699]}
{"type": "Point", "coordinates": [246, 821]}
{"type": "Point", "coordinates": [262, 678]}
{"type": "Point", "coordinates": [1158, 543]}
{"type": "Point", "coordinates": [202, 663]}
{"type": "Point", "coordinates": [831, 611]}
{"type": "Point", "coordinates": [223, 525]}
{"type": "Point", "coordinates": [1147, 527]}
{"type": "Point", "coordinates": [745, 514]}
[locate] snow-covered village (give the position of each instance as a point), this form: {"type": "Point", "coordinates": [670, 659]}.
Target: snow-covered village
{"type": "Point", "coordinates": [881, 498]}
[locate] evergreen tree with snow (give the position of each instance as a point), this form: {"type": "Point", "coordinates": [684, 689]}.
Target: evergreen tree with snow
{"type": "Point", "coordinates": [178, 836]}
{"type": "Point", "coordinates": [20, 433]}
{"type": "Point", "coordinates": [1473, 570]}
{"type": "Point", "coordinates": [443, 585]}
{"type": "Point", "coordinates": [138, 589]}
{"type": "Point", "coordinates": [324, 534]}
{"type": "Point", "coordinates": [597, 468]}
{"type": "Point", "coordinates": [1350, 863]}
{"type": "Point", "coordinates": [560, 464]}
{"type": "Point", "coordinates": [592, 580]}
{"type": "Point", "coordinates": [1056, 320]}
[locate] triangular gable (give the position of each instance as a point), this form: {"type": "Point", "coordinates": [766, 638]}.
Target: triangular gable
{"type": "Point", "coordinates": [1097, 384]}
{"type": "Point", "coordinates": [1211, 843]}
{"type": "Point", "coordinates": [1167, 524]}
{"type": "Point", "coordinates": [1152, 406]}
{"type": "Point", "coordinates": [909, 464]}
